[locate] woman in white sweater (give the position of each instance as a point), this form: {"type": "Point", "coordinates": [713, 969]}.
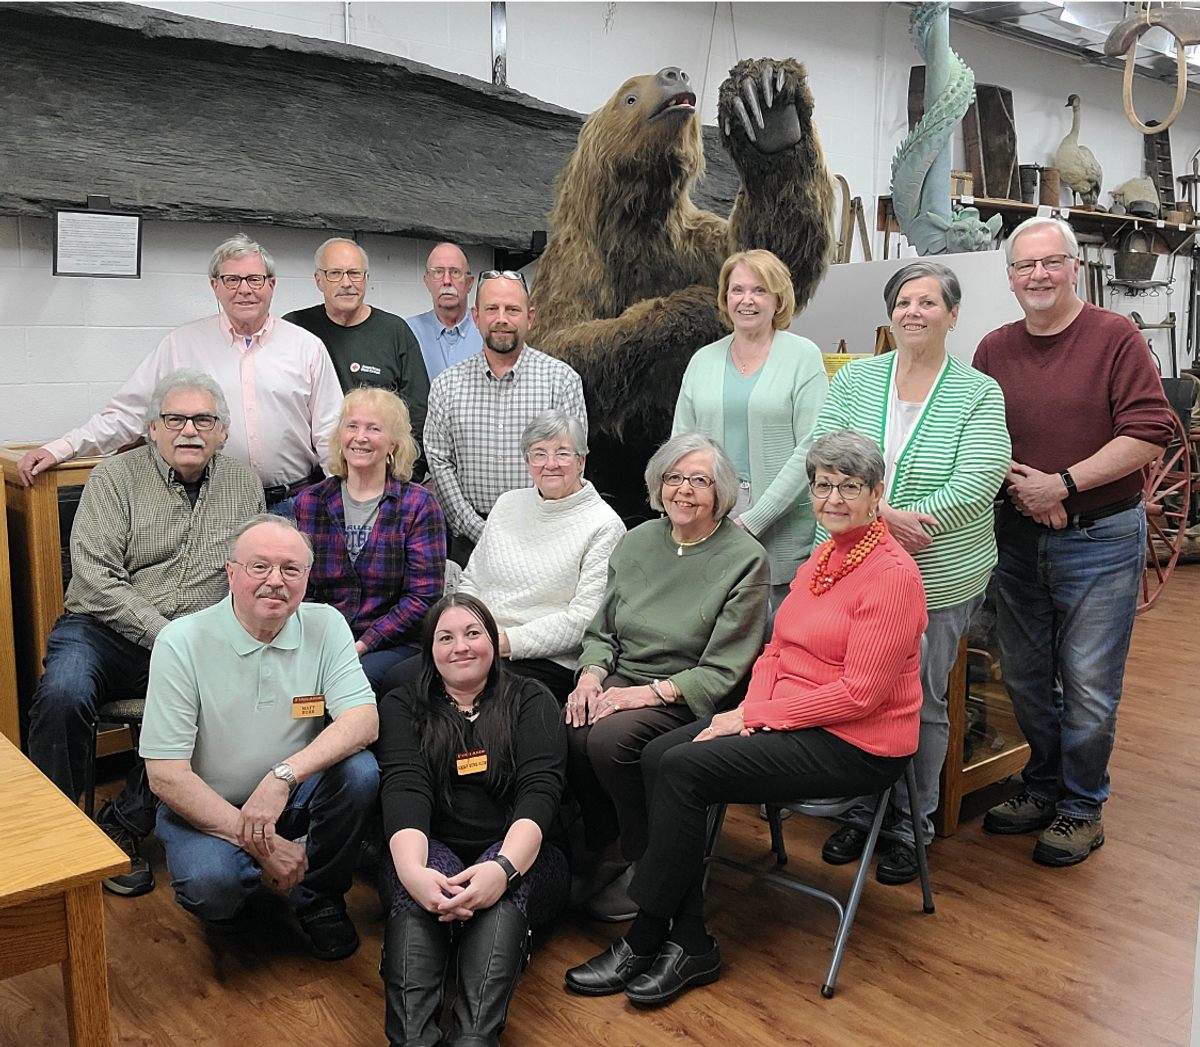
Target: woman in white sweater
{"type": "Point", "coordinates": [542, 560]}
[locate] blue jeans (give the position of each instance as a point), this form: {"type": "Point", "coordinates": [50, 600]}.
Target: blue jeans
{"type": "Point", "coordinates": [213, 878]}
{"type": "Point", "coordinates": [377, 664]}
{"type": "Point", "coordinates": [939, 649]}
{"type": "Point", "coordinates": [1065, 606]}
{"type": "Point", "coordinates": [86, 665]}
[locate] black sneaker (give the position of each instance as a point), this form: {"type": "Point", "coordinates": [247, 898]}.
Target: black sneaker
{"type": "Point", "coordinates": [897, 864]}
{"type": "Point", "coordinates": [844, 846]}
{"type": "Point", "coordinates": [140, 878]}
{"type": "Point", "coordinates": [330, 932]}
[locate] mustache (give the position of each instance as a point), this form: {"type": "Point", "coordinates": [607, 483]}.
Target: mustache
{"type": "Point", "coordinates": [278, 591]}
{"type": "Point", "coordinates": [189, 443]}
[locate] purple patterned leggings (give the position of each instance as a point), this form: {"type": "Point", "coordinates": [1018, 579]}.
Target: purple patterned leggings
{"type": "Point", "coordinates": [541, 896]}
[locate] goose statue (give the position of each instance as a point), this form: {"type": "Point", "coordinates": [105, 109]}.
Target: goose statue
{"type": "Point", "coordinates": [1077, 165]}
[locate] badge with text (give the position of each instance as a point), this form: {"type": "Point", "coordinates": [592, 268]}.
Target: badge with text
{"type": "Point", "coordinates": [306, 706]}
{"type": "Point", "coordinates": [473, 761]}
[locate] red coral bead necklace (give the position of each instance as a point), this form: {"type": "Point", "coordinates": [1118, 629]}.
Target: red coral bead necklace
{"type": "Point", "coordinates": [822, 581]}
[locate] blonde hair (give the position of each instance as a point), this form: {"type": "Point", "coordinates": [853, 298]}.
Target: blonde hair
{"type": "Point", "coordinates": [393, 412]}
{"type": "Point", "coordinates": [772, 272]}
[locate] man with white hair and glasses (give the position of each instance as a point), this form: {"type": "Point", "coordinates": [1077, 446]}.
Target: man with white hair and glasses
{"type": "Point", "coordinates": [447, 332]}
{"type": "Point", "coordinates": [283, 392]}
{"type": "Point", "coordinates": [479, 408]}
{"type": "Point", "coordinates": [147, 546]}
{"type": "Point", "coordinates": [1086, 411]}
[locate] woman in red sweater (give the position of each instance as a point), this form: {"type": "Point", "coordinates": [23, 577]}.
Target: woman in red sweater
{"type": "Point", "coordinates": [833, 709]}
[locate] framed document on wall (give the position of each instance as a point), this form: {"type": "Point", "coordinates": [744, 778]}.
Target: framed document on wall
{"type": "Point", "coordinates": [97, 243]}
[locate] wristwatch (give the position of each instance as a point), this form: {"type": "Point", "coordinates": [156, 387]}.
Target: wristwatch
{"type": "Point", "coordinates": [1068, 482]}
{"type": "Point", "coordinates": [284, 772]}
{"type": "Point", "coordinates": [510, 870]}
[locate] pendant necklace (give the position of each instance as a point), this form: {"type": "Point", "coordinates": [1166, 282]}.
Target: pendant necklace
{"type": "Point", "coordinates": [688, 545]}
{"type": "Point", "coordinates": [467, 714]}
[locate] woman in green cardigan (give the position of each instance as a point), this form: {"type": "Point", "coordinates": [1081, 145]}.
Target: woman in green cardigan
{"type": "Point", "coordinates": [941, 427]}
{"type": "Point", "coordinates": [757, 393]}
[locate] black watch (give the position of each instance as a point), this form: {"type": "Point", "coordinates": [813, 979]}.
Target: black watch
{"type": "Point", "coordinates": [1069, 482]}
{"type": "Point", "coordinates": [510, 870]}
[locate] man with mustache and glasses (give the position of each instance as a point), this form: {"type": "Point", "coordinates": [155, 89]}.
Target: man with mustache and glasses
{"type": "Point", "coordinates": [283, 392]}
{"type": "Point", "coordinates": [256, 789]}
{"type": "Point", "coordinates": [148, 545]}
{"type": "Point", "coordinates": [479, 408]}
{"type": "Point", "coordinates": [368, 345]}
{"type": "Point", "coordinates": [447, 332]}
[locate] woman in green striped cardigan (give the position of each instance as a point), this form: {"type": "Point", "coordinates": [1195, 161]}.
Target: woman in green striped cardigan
{"type": "Point", "coordinates": [941, 427]}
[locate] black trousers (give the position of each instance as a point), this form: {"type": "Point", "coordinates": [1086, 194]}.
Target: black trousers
{"type": "Point", "coordinates": [559, 681]}
{"type": "Point", "coordinates": [682, 779]}
{"type": "Point", "coordinates": [604, 770]}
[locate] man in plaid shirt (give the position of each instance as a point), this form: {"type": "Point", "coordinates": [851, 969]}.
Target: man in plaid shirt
{"type": "Point", "coordinates": [478, 409]}
{"type": "Point", "coordinates": [147, 546]}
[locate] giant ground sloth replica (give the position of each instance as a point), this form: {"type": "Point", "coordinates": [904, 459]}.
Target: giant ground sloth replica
{"type": "Point", "coordinates": [626, 291]}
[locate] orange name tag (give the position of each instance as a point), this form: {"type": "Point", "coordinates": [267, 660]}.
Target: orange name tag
{"type": "Point", "coordinates": [474, 761]}
{"type": "Point", "coordinates": [306, 706]}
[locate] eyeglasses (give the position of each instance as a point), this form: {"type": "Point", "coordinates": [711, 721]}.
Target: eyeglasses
{"type": "Point", "coordinates": [260, 570]}
{"type": "Point", "coordinates": [699, 481]}
{"type": "Point", "coordinates": [1052, 263]}
{"type": "Point", "coordinates": [848, 489]}
{"type": "Point", "coordinates": [439, 272]}
{"type": "Point", "coordinates": [502, 274]}
{"type": "Point", "coordinates": [540, 457]}
{"type": "Point", "coordinates": [335, 275]}
{"type": "Point", "coordinates": [203, 422]}
{"type": "Point", "coordinates": [256, 281]}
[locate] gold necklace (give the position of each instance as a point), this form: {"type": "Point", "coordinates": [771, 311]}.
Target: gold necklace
{"type": "Point", "coordinates": [688, 545]}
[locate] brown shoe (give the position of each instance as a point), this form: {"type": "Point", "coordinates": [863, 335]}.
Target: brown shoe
{"type": "Point", "coordinates": [1021, 814]}
{"type": "Point", "coordinates": [1068, 841]}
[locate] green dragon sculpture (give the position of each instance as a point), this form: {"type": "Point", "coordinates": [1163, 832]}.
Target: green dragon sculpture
{"type": "Point", "coordinates": [921, 166]}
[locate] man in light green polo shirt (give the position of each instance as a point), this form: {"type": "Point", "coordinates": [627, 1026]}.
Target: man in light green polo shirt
{"type": "Point", "coordinates": [237, 747]}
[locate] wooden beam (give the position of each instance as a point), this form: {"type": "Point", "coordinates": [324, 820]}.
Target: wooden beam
{"type": "Point", "coordinates": [185, 119]}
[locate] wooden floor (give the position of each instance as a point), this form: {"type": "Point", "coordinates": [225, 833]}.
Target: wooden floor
{"type": "Point", "coordinates": [1096, 956]}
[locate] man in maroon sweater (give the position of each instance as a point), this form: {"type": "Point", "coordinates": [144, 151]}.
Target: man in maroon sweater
{"type": "Point", "coordinates": [1086, 411]}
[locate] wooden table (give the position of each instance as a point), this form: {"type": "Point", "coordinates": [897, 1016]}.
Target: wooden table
{"type": "Point", "coordinates": [52, 859]}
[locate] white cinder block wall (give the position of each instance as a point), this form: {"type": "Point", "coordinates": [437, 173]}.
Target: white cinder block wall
{"type": "Point", "coordinates": [67, 343]}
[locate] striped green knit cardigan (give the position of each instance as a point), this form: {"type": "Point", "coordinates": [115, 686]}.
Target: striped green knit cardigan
{"type": "Point", "coordinates": [951, 468]}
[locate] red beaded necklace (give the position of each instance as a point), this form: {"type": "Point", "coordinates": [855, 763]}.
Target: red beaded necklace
{"type": "Point", "coordinates": [822, 581]}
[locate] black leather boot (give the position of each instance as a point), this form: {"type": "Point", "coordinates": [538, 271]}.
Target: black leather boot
{"type": "Point", "coordinates": [416, 949]}
{"type": "Point", "coordinates": [492, 953]}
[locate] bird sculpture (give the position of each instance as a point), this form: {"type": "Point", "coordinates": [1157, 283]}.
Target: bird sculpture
{"type": "Point", "coordinates": [1077, 165]}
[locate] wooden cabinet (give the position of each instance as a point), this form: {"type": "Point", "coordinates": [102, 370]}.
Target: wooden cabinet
{"type": "Point", "coordinates": [10, 721]}
{"type": "Point", "coordinates": [999, 750]}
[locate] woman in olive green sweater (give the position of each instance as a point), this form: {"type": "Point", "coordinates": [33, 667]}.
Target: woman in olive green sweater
{"type": "Point", "coordinates": [679, 628]}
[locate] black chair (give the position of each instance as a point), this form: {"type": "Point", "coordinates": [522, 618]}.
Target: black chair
{"type": "Point", "coordinates": [127, 712]}
{"type": "Point", "coordinates": [827, 809]}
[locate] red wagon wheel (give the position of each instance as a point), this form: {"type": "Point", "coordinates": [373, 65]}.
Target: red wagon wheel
{"type": "Point", "coordinates": [1168, 493]}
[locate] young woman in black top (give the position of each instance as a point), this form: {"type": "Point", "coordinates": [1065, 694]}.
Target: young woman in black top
{"type": "Point", "coordinates": [473, 765]}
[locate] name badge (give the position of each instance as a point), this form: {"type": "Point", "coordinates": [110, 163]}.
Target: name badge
{"type": "Point", "coordinates": [474, 761]}
{"type": "Point", "coordinates": [306, 706]}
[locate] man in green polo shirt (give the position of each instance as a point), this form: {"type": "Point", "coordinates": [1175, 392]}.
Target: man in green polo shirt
{"type": "Point", "coordinates": [237, 747]}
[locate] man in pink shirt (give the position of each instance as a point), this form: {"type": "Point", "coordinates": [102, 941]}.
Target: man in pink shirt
{"type": "Point", "coordinates": [284, 396]}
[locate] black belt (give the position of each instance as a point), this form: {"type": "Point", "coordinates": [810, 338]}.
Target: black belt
{"type": "Point", "coordinates": [1082, 521]}
{"type": "Point", "coordinates": [274, 495]}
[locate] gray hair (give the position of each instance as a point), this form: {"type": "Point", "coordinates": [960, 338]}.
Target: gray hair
{"type": "Point", "coordinates": [186, 378]}
{"type": "Point", "coordinates": [237, 247]}
{"type": "Point", "coordinates": [847, 452]}
{"type": "Point", "coordinates": [1064, 230]}
{"type": "Point", "coordinates": [947, 283]}
{"type": "Point", "coordinates": [341, 240]}
{"type": "Point", "coordinates": [286, 522]}
{"type": "Point", "coordinates": [725, 477]}
{"type": "Point", "coordinates": [546, 425]}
